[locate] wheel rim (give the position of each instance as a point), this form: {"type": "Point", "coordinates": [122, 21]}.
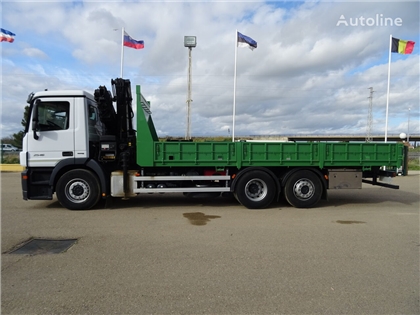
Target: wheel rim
{"type": "Point", "coordinates": [256, 189]}
{"type": "Point", "coordinates": [77, 190]}
{"type": "Point", "coordinates": [303, 189]}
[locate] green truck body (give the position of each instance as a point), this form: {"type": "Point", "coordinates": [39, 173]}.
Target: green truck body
{"type": "Point", "coordinates": [244, 154]}
{"type": "Point", "coordinates": [154, 153]}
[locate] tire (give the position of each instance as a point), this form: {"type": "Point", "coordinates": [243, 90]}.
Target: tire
{"type": "Point", "coordinates": [78, 190]}
{"type": "Point", "coordinates": [255, 190]}
{"type": "Point", "coordinates": [303, 189]}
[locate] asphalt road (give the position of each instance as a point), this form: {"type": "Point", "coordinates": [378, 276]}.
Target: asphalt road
{"type": "Point", "coordinates": [357, 253]}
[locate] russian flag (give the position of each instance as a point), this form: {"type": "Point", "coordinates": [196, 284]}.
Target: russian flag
{"type": "Point", "coordinates": [6, 36]}
{"type": "Point", "coordinates": [129, 42]}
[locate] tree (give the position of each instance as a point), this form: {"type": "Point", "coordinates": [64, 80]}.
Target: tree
{"type": "Point", "coordinates": [18, 137]}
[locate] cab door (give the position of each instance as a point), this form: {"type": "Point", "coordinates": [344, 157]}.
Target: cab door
{"type": "Point", "coordinates": [51, 134]}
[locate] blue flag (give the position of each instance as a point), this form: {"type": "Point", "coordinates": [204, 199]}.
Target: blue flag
{"type": "Point", "coordinates": [245, 41]}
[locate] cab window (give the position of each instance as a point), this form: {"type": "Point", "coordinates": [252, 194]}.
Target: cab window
{"type": "Point", "coordinates": [53, 116]}
{"type": "Point", "coordinates": [93, 115]}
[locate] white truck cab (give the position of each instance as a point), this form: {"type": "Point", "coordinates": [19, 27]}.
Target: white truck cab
{"type": "Point", "coordinates": [61, 126]}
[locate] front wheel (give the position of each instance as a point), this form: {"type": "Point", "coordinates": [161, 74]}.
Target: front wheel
{"type": "Point", "coordinates": [303, 189]}
{"type": "Point", "coordinates": [255, 190]}
{"type": "Point", "coordinates": [78, 190]}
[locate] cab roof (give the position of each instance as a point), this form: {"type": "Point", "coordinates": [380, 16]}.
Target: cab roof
{"type": "Point", "coordinates": [63, 93]}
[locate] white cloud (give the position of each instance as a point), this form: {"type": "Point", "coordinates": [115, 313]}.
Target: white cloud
{"type": "Point", "coordinates": [306, 76]}
{"type": "Point", "coordinates": [34, 53]}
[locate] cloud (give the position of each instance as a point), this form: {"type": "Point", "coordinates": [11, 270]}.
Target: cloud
{"type": "Point", "coordinates": [307, 75]}
{"type": "Point", "coordinates": [34, 53]}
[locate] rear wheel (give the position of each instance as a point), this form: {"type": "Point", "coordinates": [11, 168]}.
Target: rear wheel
{"type": "Point", "coordinates": [303, 189]}
{"type": "Point", "coordinates": [255, 190]}
{"type": "Point", "coordinates": [78, 190]}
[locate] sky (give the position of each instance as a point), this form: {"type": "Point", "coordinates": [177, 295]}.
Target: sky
{"type": "Point", "coordinates": [310, 73]}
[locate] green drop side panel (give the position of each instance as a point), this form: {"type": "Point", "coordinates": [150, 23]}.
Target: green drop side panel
{"type": "Point", "coordinates": [280, 154]}
{"type": "Point", "coordinates": [363, 154]}
{"type": "Point", "coordinates": [212, 154]}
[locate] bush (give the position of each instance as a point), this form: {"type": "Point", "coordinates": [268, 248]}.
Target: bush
{"type": "Point", "coordinates": [414, 162]}
{"type": "Point", "coordinates": [10, 159]}
{"type": "Point", "coordinates": [413, 165]}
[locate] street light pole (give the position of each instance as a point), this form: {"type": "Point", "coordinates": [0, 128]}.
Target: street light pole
{"type": "Point", "coordinates": [189, 100]}
{"type": "Point", "coordinates": [189, 42]}
{"type": "Point", "coordinates": [408, 127]}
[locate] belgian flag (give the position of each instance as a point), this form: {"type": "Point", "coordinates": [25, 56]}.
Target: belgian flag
{"type": "Point", "coordinates": [402, 46]}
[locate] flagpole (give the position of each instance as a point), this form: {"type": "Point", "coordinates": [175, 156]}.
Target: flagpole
{"type": "Point", "coordinates": [387, 93]}
{"type": "Point", "coordinates": [234, 87]}
{"type": "Point", "coordinates": [122, 51]}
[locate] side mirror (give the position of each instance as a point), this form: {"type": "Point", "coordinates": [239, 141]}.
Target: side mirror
{"type": "Point", "coordinates": [35, 120]}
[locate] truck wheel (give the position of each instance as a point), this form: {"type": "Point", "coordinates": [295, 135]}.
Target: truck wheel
{"type": "Point", "coordinates": [255, 190]}
{"type": "Point", "coordinates": [78, 190]}
{"type": "Point", "coordinates": [303, 189]}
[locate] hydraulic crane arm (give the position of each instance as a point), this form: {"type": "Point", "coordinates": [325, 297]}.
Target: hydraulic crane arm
{"type": "Point", "coordinates": [119, 123]}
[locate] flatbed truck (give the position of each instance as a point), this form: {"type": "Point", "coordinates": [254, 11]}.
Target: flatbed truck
{"type": "Point", "coordinates": [83, 147]}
